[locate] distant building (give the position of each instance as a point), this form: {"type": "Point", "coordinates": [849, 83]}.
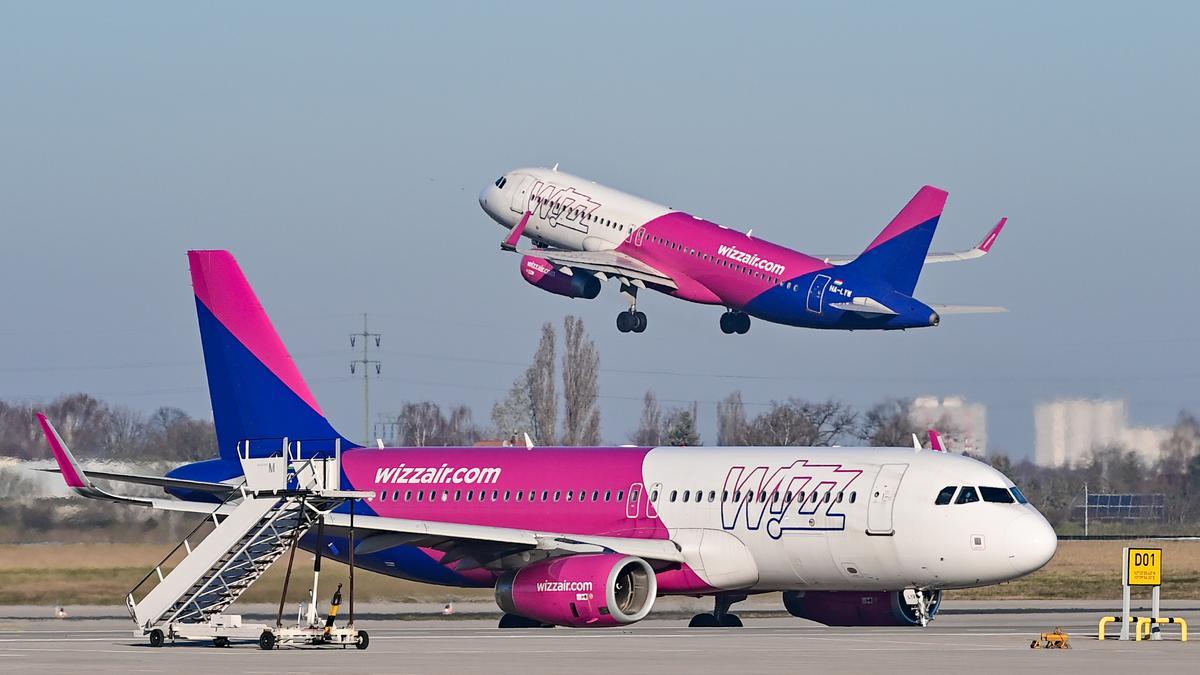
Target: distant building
{"type": "Point", "coordinates": [1069, 430]}
{"type": "Point", "coordinates": [964, 425]}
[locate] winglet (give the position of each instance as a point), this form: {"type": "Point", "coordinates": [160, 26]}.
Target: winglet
{"type": "Point", "coordinates": [990, 239]}
{"type": "Point", "coordinates": [935, 441]}
{"type": "Point", "coordinates": [76, 479]}
{"type": "Point", "coordinates": [510, 244]}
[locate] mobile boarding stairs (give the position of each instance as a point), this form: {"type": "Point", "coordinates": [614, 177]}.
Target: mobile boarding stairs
{"type": "Point", "coordinates": [282, 497]}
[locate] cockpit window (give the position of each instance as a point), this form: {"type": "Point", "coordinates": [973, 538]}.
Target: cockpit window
{"type": "Point", "coordinates": [995, 495]}
{"type": "Point", "coordinates": [967, 495]}
{"type": "Point", "coordinates": [1019, 495]}
{"type": "Point", "coordinates": [945, 495]}
{"type": "Point", "coordinates": [501, 182]}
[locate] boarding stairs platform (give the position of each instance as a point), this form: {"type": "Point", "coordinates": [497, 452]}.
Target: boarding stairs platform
{"type": "Point", "coordinates": [282, 497]}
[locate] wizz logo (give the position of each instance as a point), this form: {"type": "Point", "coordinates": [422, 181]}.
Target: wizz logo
{"type": "Point", "coordinates": [788, 498]}
{"type": "Point", "coordinates": [564, 207]}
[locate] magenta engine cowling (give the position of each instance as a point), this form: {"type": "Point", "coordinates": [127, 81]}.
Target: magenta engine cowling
{"type": "Point", "coordinates": [544, 275]}
{"type": "Point", "coordinates": [594, 590]}
{"type": "Point", "coordinates": [856, 608]}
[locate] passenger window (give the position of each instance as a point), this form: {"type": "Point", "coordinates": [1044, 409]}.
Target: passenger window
{"type": "Point", "coordinates": [826, 497]}
{"type": "Point", "coordinates": [620, 495]}
{"type": "Point", "coordinates": [458, 495]}
{"type": "Point", "coordinates": [557, 494]}
{"type": "Point", "coordinates": [420, 495]}
{"type": "Point", "coordinates": [945, 495]}
{"type": "Point", "coordinates": [787, 497]}
{"type": "Point", "coordinates": [852, 496]}
{"type": "Point", "coordinates": [737, 495]}
{"type": "Point", "coordinates": [654, 495]}
{"type": "Point", "coordinates": [595, 495]}
{"type": "Point", "coordinates": [520, 495]}
{"type": "Point", "coordinates": [800, 496]}
{"type": "Point", "coordinates": [685, 496]}
{"type": "Point", "coordinates": [967, 495]}
{"type": "Point", "coordinates": [1019, 495]}
{"type": "Point", "coordinates": [383, 496]}
{"type": "Point", "coordinates": [762, 496]}
{"type": "Point", "coordinates": [674, 494]}
{"type": "Point", "coordinates": [507, 495]}
{"type": "Point", "coordinates": [839, 498]}
{"type": "Point", "coordinates": [712, 495]}
{"type": "Point", "coordinates": [568, 495]}
{"type": "Point", "coordinates": [607, 495]}
{"type": "Point", "coordinates": [724, 496]}
{"type": "Point", "coordinates": [996, 495]}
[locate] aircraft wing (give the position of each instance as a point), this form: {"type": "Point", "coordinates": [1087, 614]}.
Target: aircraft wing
{"type": "Point", "coordinates": [978, 251]}
{"type": "Point", "coordinates": [474, 546]}
{"type": "Point", "coordinates": [968, 309]}
{"type": "Point", "coordinates": [608, 263]}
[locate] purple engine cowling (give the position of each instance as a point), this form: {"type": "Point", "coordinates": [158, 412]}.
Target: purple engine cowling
{"type": "Point", "coordinates": [856, 608]}
{"type": "Point", "coordinates": [544, 275]}
{"type": "Point", "coordinates": [594, 590]}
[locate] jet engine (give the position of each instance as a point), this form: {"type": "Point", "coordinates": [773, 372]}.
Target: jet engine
{"type": "Point", "coordinates": [857, 608]}
{"type": "Point", "coordinates": [594, 589]}
{"type": "Point", "coordinates": [544, 275]}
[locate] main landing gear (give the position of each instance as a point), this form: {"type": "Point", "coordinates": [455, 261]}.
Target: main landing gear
{"type": "Point", "coordinates": [518, 621]}
{"type": "Point", "coordinates": [735, 322]}
{"type": "Point", "coordinates": [720, 616]}
{"type": "Point", "coordinates": [631, 321]}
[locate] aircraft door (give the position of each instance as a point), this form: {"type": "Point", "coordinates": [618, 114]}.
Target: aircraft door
{"type": "Point", "coordinates": [883, 498]}
{"type": "Point", "coordinates": [816, 292]}
{"type": "Point", "coordinates": [520, 198]}
{"type": "Point", "coordinates": [633, 501]}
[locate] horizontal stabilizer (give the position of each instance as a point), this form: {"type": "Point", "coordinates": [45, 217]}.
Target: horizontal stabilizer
{"type": "Point", "coordinates": [968, 309]}
{"type": "Point", "coordinates": [160, 481]}
{"type": "Point", "coordinates": [864, 305]}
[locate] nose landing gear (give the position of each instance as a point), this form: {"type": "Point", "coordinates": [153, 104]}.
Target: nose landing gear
{"type": "Point", "coordinates": [733, 321]}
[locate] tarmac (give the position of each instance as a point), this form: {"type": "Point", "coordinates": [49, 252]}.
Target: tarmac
{"type": "Point", "coordinates": [967, 636]}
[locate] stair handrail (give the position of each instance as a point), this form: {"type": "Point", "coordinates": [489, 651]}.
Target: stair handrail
{"type": "Point", "coordinates": [239, 492]}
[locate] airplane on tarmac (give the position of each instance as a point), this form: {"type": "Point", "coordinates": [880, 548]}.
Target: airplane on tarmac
{"type": "Point", "coordinates": [585, 233]}
{"type": "Point", "coordinates": [592, 536]}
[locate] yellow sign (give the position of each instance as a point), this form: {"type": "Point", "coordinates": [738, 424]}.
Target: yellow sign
{"type": "Point", "coordinates": [1143, 566]}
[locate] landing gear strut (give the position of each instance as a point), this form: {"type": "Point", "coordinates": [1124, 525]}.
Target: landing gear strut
{"type": "Point", "coordinates": [631, 320]}
{"type": "Point", "coordinates": [924, 602]}
{"type": "Point", "coordinates": [733, 321]}
{"type": "Point", "coordinates": [720, 616]}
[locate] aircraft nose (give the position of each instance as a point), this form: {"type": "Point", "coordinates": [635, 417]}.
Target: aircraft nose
{"type": "Point", "coordinates": [1032, 542]}
{"type": "Point", "coordinates": [485, 196]}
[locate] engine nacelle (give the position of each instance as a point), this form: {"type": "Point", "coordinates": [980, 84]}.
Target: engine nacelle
{"type": "Point", "coordinates": [543, 274]}
{"type": "Point", "coordinates": [856, 608]}
{"type": "Point", "coordinates": [600, 589]}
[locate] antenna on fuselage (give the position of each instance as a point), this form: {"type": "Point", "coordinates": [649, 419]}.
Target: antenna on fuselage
{"type": "Point", "coordinates": [528, 442]}
{"type": "Point", "coordinates": [555, 167]}
{"type": "Point", "coordinates": [750, 232]}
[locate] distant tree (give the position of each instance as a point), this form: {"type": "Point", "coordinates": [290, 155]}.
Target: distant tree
{"type": "Point", "coordinates": [580, 366]}
{"type": "Point", "coordinates": [732, 428]}
{"type": "Point", "coordinates": [424, 424]}
{"type": "Point", "coordinates": [889, 425]}
{"type": "Point", "coordinates": [539, 379]}
{"type": "Point", "coordinates": [513, 415]}
{"type": "Point", "coordinates": [681, 428]}
{"type": "Point", "coordinates": [796, 422]}
{"type": "Point", "coordinates": [650, 427]}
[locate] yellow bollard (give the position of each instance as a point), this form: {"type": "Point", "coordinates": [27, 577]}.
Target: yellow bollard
{"type": "Point", "coordinates": [1105, 620]}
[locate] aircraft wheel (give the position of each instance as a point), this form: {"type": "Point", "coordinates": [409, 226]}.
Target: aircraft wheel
{"type": "Point", "coordinates": [157, 638]}
{"type": "Point", "coordinates": [518, 621]}
{"type": "Point", "coordinates": [639, 325]}
{"type": "Point", "coordinates": [730, 621]}
{"type": "Point", "coordinates": [706, 620]}
{"type": "Point", "coordinates": [220, 641]}
{"type": "Point", "coordinates": [727, 322]}
{"type": "Point", "coordinates": [363, 640]}
{"type": "Point", "coordinates": [743, 324]}
{"type": "Point", "coordinates": [626, 321]}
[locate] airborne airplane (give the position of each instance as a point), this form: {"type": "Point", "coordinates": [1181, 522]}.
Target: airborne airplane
{"type": "Point", "coordinates": [592, 536]}
{"type": "Point", "coordinates": [585, 233]}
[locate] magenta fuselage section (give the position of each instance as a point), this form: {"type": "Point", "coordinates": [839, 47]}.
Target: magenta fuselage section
{"type": "Point", "coordinates": [597, 491]}
{"type": "Point", "coordinates": [686, 247]}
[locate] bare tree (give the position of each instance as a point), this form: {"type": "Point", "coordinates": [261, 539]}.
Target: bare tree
{"type": "Point", "coordinates": [732, 428]}
{"type": "Point", "coordinates": [539, 378]}
{"type": "Point", "coordinates": [423, 423]}
{"type": "Point", "coordinates": [513, 415]}
{"type": "Point", "coordinates": [650, 427]}
{"type": "Point", "coordinates": [802, 423]}
{"type": "Point", "coordinates": [580, 364]}
{"type": "Point", "coordinates": [889, 424]}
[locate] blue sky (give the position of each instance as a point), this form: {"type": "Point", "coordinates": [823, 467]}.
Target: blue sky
{"type": "Point", "coordinates": [338, 151]}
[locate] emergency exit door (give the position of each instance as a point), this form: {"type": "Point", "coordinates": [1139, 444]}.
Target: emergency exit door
{"type": "Point", "coordinates": [883, 498]}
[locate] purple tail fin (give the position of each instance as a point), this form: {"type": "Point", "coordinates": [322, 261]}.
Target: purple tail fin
{"type": "Point", "coordinates": [258, 393]}
{"type": "Point", "coordinates": [898, 254]}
